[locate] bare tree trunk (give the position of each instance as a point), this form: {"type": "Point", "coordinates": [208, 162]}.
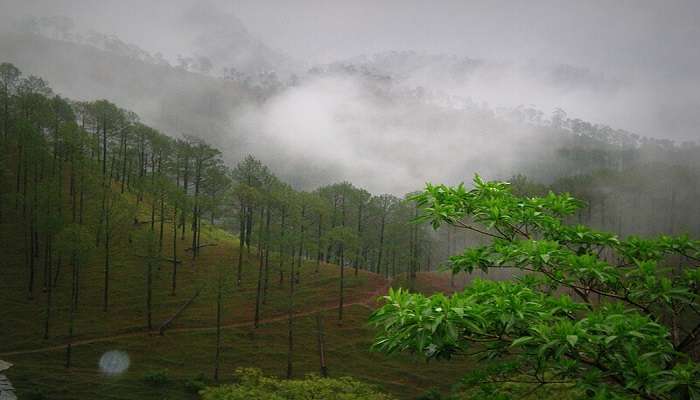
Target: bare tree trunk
{"type": "Point", "coordinates": [104, 147]}
{"type": "Point", "coordinates": [381, 243]}
{"type": "Point", "coordinates": [105, 306]}
{"type": "Point", "coordinates": [342, 284]}
{"type": "Point", "coordinates": [249, 228]}
{"type": "Point", "coordinates": [149, 294]}
{"type": "Point", "coordinates": [282, 247]}
{"type": "Point", "coordinates": [71, 316]}
{"type": "Point", "coordinates": [29, 259]}
{"type": "Point", "coordinates": [195, 209]}
{"type": "Point", "coordinates": [123, 177]}
{"type": "Point", "coordinates": [359, 235]}
{"type": "Point", "coordinates": [321, 344]}
{"type": "Point", "coordinates": [261, 265]}
{"type": "Point", "coordinates": [290, 322]}
{"type": "Point", "coordinates": [174, 275]}
{"type": "Point", "coordinates": [82, 195]}
{"type": "Point", "coordinates": [153, 186]}
{"type": "Point", "coordinates": [49, 288]}
{"type": "Point", "coordinates": [241, 236]}
{"type": "Point", "coordinates": [266, 255]}
{"type": "Point", "coordinates": [301, 243]}
{"type": "Point", "coordinates": [218, 331]}
{"type": "Point", "coordinates": [162, 213]}
{"type": "Point", "coordinates": [318, 240]}
{"type": "Point", "coordinates": [185, 185]}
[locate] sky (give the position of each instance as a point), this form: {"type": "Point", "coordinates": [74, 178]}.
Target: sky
{"type": "Point", "coordinates": [658, 37]}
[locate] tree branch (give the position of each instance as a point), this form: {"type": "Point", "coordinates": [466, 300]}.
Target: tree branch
{"type": "Point", "coordinates": [461, 224]}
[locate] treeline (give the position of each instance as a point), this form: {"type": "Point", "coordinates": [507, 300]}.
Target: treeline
{"type": "Point", "coordinates": [644, 199]}
{"type": "Point", "coordinates": [73, 170]}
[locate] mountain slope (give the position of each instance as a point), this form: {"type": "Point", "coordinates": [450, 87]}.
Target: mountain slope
{"type": "Point", "coordinates": [187, 349]}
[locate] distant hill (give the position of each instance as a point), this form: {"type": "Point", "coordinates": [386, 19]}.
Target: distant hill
{"type": "Point", "coordinates": [351, 120]}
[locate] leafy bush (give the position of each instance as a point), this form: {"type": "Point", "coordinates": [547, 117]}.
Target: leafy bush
{"type": "Point", "coordinates": [194, 385]}
{"type": "Point", "coordinates": [626, 331]}
{"type": "Point", "coordinates": [253, 385]}
{"type": "Point", "coordinates": [157, 378]}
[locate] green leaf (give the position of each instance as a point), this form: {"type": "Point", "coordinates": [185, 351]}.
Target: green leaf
{"type": "Point", "coordinates": [521, 340]}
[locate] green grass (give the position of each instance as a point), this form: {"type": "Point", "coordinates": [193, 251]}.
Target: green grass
{"type": "Point", "coordinates": [185, 355]}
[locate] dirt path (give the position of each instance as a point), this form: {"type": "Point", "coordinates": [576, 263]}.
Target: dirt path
{"type": "Point", "coordinates": [365, 302]}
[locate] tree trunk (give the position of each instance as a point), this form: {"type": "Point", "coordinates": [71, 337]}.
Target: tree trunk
{"type": "Point", "coordinates": [381, 242]}
{"type": "Point", "coordinates": [290, 322]}
{"type": "Point", "coordinates": [123, 174]}
{"type": "Point", "coordinates": [342, 284]}
{"type": "Point", "coordinates": [259, 287]}
{"type": "Point", "coordinates": [195, 209]}
{"type": "Point", "coordinates": [105, 306]}
{"type": "Point", "coordinates": [162, 211]}
{"type": "Point", "coordinates": [185, 185]}
{"type": "Point", "coordinates": [301, 242]}
{"type": "Point", "coordinates": [71, 316]}
{"type": "Point", "coordinates": [282, 233]}
{"type": "Point", "coordinates": [153, 189]}
{"type": "Point", "coordinates": [49, 288]}
{"type": "Point", "coordinates": [174, 277]}
{"type": "Point", "coordinates": [242, 237]}
{"type": "Point", "coordinates": [321, 344]}
{"type": "Point", "coordinates": [149, 294]}
{"type": "Point", "coordinates": [249, 228]}
{"type": "Point", "coordinates": [266, 255]}
{"type": "Point", "coordinates": [359, 236]}
{"type": "Point", "coordinates": [318, 240]}
{"type": "Point", "coordinates": [104, 147]}
{"type": "Point", "coordinates": [29, 257]}
{"type": "Point", "coordinates": [218, 331]}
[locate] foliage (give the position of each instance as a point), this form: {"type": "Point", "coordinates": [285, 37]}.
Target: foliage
{"type": "Point", "coordinates": [253, 385]}
{"type": "Point", "coordinates": [157, 378]}
{"type": "Point", "coordinates": [601, 316]}
{"type": "Point", "coordinates": [195, 384]}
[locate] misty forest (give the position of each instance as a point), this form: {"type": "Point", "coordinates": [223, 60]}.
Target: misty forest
{"type": "Point", "coordinates": [229, 200]}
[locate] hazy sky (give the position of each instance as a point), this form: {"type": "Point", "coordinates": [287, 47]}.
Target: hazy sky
{"type": "Point", "coordinates": [651, 47]}
{"type": "Point", "coordinates": [659, 37]}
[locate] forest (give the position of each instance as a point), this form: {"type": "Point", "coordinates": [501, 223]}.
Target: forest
{"type": "Point", "coordinates": [225, 228]}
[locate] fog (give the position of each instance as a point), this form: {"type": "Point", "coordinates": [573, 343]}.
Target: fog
{"type": "Point", "coordinates": [401, 91]}
{"type": "Point", "coordinates": [386, 142]}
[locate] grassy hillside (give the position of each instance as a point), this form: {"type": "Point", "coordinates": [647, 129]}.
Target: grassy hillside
{"type": "Point", "coordinates": [188, 347]}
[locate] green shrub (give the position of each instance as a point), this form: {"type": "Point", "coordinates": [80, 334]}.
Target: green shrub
{"type": "Point", "coordinates": [194, 385]}
{"type": "Point", "coordinates": [156, 378]}
{"type": "Point", "coordinates": [253, 385]}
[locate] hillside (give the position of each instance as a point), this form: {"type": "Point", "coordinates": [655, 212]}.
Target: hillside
{"type": "Point", "coordinates": [187, 348]}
